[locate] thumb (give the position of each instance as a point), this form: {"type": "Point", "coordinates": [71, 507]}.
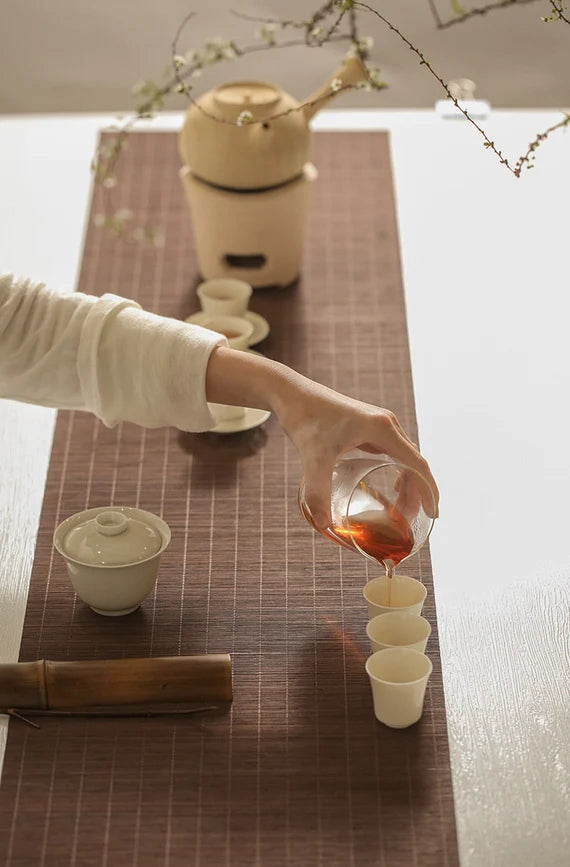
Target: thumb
{"type": "Point", "coordinates": [318, 487]}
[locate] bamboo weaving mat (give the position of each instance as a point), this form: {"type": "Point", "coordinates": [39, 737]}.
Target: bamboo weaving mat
{"type": "Point", "coordinates": [297, 771]}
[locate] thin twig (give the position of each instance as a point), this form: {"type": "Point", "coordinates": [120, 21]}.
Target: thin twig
{"type": "Point", "coordinates": [559, 11]}
{"type": "Point", "coordinates": [522, 160]}
{"type": "Point", "coordinates": [529, 155]}
{"type": "Point", "coordinates": [473, 13]}
{"type": "Point", "coordinates": [427, 64]}
{"type": "Point", "coordinates": [179, 78]}
{"type": "Point", "coordinates": [100, 712]}
{"type": "Point", "coordinates": [435, 13]}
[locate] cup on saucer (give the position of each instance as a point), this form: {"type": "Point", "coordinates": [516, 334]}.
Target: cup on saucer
{"type": "Point", "coordinates": [237, 330]}
{"type": "Point", "coordinates": [228, 297]}
{"type": "Point", "coordinates": [224, 296]}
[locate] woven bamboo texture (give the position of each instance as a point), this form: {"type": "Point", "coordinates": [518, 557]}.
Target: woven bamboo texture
{"type": "Point", "coordinates": [297, 771]}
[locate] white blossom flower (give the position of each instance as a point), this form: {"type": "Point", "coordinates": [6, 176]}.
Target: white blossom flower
{"type": "Point", "coordinates": [138, 234]}
{"type": "Point", "coordinates": [109, 182]}
{"type": "Point", "coordinates": [361, 48]}
{"type": "Point", "coordinates": [178, 61]}
{"type": "Point", "coordinates": [217, 49]}
{"type": "Point", "coordinates": [266, 32]}
{"type": "Point", "coordinates": [244, 117]}
{"type": "Point", "coordinates": [148, 236]}
{"type": "Point", "coordinates": [364, 85]}
{"type": "Point", "coordinates": [316, 31]}
{"type": "Point", "coordinates": [374, 78]}
{"type": "Point", "coordinates": [336, 85]}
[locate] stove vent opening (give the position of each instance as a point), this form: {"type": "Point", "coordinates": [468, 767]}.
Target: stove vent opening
{"type": "Point", "coordinates": [255, 260]}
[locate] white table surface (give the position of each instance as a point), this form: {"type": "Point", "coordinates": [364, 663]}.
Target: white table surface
{"type": "Point", "coordinates": [487, 283]}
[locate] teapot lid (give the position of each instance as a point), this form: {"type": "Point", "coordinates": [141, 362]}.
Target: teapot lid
{"type": "Point", "coordinates": [111, 538]}
{"type": "Point", "coordinates": [259, 97]}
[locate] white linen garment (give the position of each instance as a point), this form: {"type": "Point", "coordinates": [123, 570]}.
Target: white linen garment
{"type": "Point", "coordinates": [105, 355]}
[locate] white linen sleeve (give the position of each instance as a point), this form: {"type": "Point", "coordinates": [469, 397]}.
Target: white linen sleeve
{"type": "Point", "coordinates": [105, 355]}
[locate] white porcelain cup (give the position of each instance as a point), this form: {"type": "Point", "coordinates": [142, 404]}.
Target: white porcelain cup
{"type": "Point", "coordinates": [237, 330]}
{"type": "Point", "coordinates": [398, 677]}
{"type": "Point", "coordinates": [406, 595]}
{"type": "Point", "coordinates": [398, 629]}
{"type": "Point", "coordinates": [224, 296]}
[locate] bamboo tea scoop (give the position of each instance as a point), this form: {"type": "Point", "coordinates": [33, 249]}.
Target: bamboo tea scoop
{"type": "Point", "coordinates": [47, 684]}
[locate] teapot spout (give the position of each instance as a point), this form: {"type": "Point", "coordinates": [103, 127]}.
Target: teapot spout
{"type": "Point", "coordinates": [351, 72]}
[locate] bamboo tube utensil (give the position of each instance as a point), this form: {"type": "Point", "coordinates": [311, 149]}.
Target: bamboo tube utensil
{"type": "Point", "coordinates": [47, 684]}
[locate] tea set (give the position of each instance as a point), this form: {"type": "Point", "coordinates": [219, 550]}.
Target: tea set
{"type": "Point", "coordinates": [112, 555]}
{"type": "Point", "coordinates": [248, 185]}
{"type": "Point", "coordinates": [248, 188]}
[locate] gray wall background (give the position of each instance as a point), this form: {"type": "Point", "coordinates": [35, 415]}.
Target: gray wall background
{"type": "Point", "coordinates": [85, 55]}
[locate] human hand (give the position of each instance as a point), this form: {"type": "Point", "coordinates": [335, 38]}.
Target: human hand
{"type": "Point", "coordinates": [324, 425]}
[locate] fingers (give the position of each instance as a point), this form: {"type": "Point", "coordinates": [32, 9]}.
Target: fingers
{"type": "Point", "coordinates": [401, 449]}
{"type": "Point", "coordinates": [397, 444]}
{"type": "Point", "coordinates": [409, 497]}
{"type": "Point", "coordinates": [318, 488]}
{"type": "Point", "coordinates": [404, 434]}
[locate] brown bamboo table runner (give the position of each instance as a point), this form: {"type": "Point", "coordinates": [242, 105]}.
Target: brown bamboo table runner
{"type": "Point", "coordinates": [297, 771]}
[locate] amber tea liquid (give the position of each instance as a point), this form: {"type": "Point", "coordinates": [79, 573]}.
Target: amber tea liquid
{"type": "Point", "coordinates": [381, 532]}
{"type": "Point", "coordinates": [382, 535]}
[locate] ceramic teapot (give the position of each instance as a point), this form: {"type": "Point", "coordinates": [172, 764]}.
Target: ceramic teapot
{"type": "Point", "coordinates": [260, 155]}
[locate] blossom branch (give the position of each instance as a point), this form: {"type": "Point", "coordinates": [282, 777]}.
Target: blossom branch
{"type": "Point", "coordinates": [558, 12]}
{"type": "Point", "coordinates": [462, 16]}
{"type": "Point", "coordinates": [321, 27]}
{"type": "Point", "coordinates": [424, 62]}
{"type": "Point", "coordinates": [526, 160]}
{"type": "Point", "coordinates": [312, 37]}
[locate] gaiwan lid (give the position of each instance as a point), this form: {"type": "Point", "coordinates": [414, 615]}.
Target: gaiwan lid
{"type": "Point", "coordinates": [111, 538]}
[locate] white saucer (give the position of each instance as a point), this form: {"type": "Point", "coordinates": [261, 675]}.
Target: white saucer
{"type": "Point", "coordinates": [260, 325]}
{"type": "Point", "coordinates": [250, 419]}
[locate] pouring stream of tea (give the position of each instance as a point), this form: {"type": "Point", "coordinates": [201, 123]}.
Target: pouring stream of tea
{"type": "Point", "coordinates": [382, 533]}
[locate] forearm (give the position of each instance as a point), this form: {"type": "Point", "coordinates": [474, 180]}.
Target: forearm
{"type": "Point", "coordinates": [322, 423]}
{"type": "Point", "coordinates": [247, 379]}
{"type": "Point", "coordinates": [104, 355]}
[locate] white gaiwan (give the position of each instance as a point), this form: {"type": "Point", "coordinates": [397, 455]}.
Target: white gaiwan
{"type": "Point", "coordinates": [112, 556]}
